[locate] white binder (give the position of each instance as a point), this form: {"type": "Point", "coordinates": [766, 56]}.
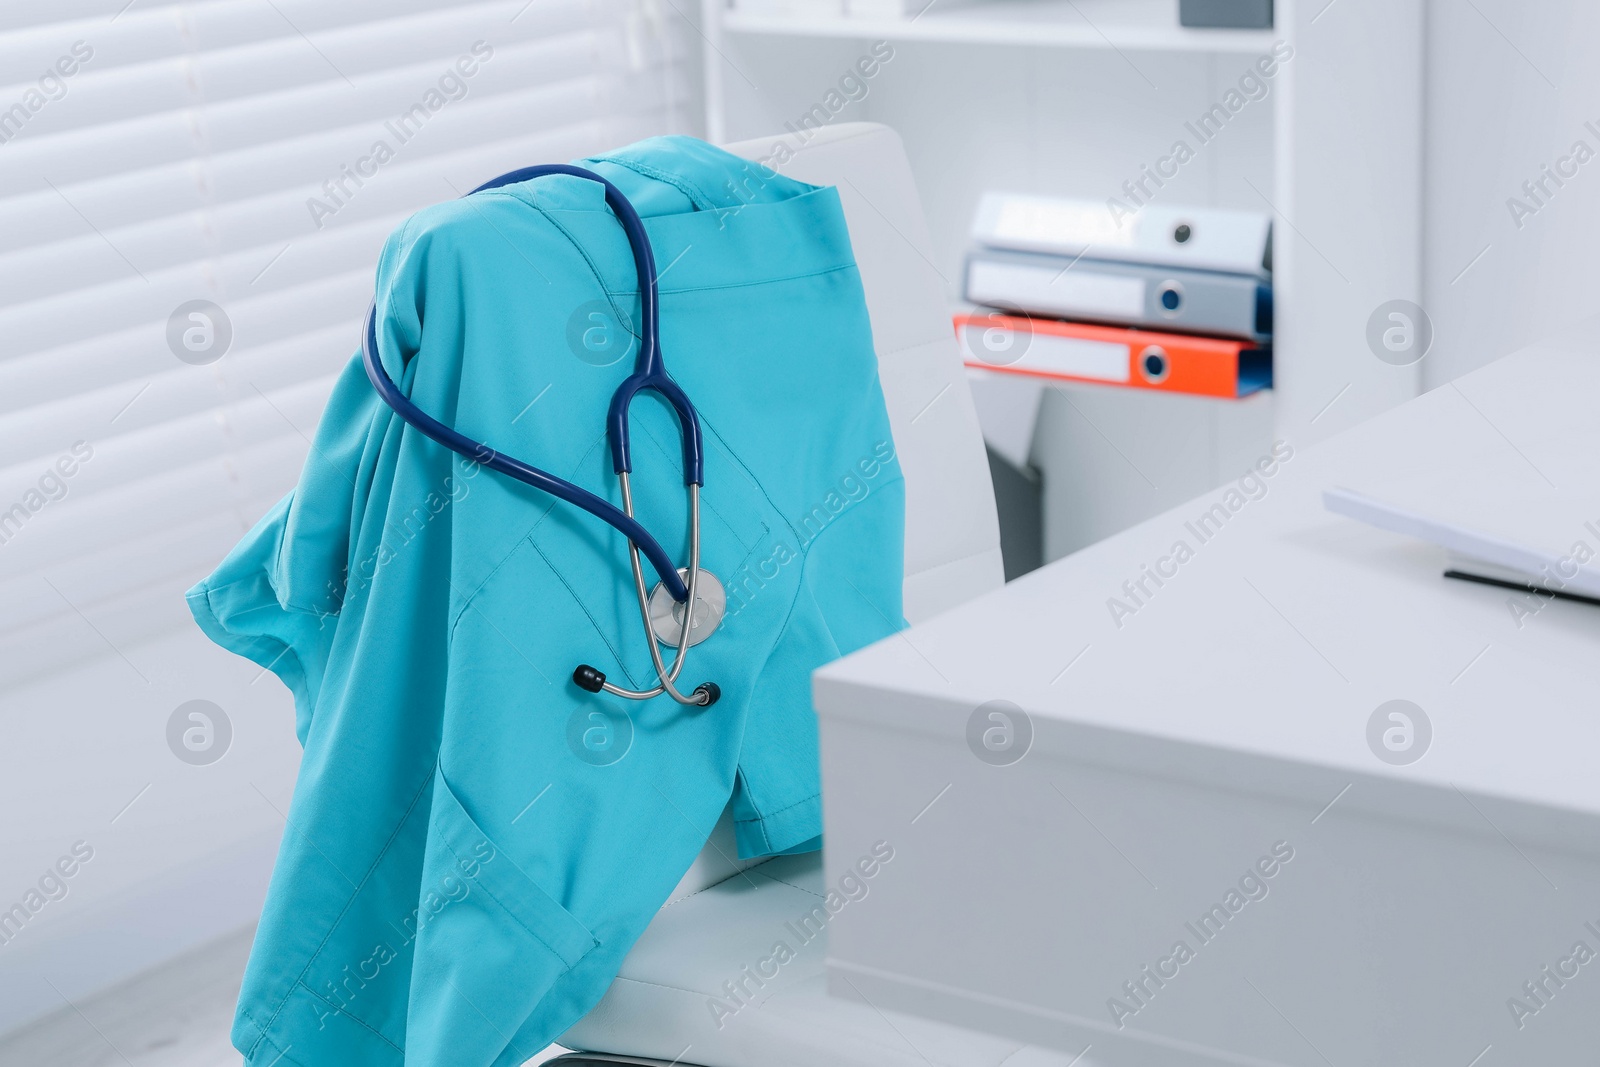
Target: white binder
{"type": "Point", "coordinates": [1169, 235]}
{"type": "Point", "coordinates": [1127, 294]}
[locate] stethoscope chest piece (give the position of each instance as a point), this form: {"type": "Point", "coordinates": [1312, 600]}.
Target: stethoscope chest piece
{"type": "Point", "coordinates": [666, 614]}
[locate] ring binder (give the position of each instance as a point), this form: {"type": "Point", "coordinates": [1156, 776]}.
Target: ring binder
{"type": "Point", "coordinates": [1009, 343]}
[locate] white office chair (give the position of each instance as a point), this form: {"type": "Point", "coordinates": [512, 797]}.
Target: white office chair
{"type": "Point", "coordinates": [726, 915]}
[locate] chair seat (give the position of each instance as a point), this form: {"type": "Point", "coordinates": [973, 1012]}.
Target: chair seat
{"type": "Point", "coordinates": [674, 999]}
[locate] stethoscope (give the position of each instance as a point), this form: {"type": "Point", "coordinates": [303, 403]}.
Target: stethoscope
{"type": "Point", "coordinates": [669, 612]}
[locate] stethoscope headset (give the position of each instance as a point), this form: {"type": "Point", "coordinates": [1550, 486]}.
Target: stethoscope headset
{"type": "Point", "coordinates": [669, 611]}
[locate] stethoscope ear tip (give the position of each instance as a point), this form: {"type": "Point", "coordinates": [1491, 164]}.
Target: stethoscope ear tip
{"type": "Point", "coordinates": [587, 678]}
{"type": "Point", "coordinates": [709, 692]}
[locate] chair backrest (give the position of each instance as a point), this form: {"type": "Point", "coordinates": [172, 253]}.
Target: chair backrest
{"type": "Point", "coordinates": [952, 534]}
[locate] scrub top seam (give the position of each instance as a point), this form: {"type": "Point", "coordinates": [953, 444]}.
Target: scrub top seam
{"type": "Point", "coordinates": [611, 295]}
{"type": "Point", "coordinates": [593, 941]}
{"type": "Point", "coordinates": [594, 624]}
{"type": "Point", "coordinates": [277, 564]}
{"type": "Point", "coordinates": [668, 454]}
{"type": "Point", "coordinates": [516, 543]}
{"type": "Point", "coordinates": [780, 811]}
{"type": "Point", "coordinates": [565, 966]}
{"type": "Point", "coordinates": [366, 471]}
{"type": "Point", "coordinates": [507, 193]}
{"type": "Point", "coordinates": [898, 479]}
{"type": "Point", "coordinates": [745, 284]}
{"type": "Point", "coordinates": [403, 241]}
{"type": "Point", "coordinates": [832, 525]}
{"type": "Point", "coordinates": [708, 427]}
{"type": "Point", "coordinates": [744, 779]}
{"type": "Point", "coordinates": [381, 299]}
{"type": "Point", "coordinates": [758, 825]}
{"type": "Point", "coordinates": [207, 588]}
{"type": "Point", "coordinates": [596, 442]}
{"type": "Point", "coordinates": [528, 537]}
{"type": "Point", "coordinates": [349, 902]}
{"type": "Point", "coordinates": [283, 1053]}
{"type": "Point", "coordinates": [696, 195]}
{"type": "Point", "coordinates": [738, 463]}
{"type": "Point", "coordinates": [772, 650]}
{"type": "Point", "coordinates": [351, 1016]}
{"type": "Point", "coordinates": [805, 562]}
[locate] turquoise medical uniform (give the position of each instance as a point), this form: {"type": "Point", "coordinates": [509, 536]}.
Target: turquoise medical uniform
{"type": "Point", "coordinates": [475, 843]}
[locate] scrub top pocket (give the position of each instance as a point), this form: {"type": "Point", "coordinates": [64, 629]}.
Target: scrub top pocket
{"type": "Point", "coordinates": [490, 944]}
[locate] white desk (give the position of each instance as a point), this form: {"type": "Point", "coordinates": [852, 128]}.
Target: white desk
{"type": "Point", "coordinates": [1230, 713]}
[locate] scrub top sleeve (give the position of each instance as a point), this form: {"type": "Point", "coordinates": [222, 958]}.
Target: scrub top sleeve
{"type": "Point", "coordinates": [277, 597]}
{"type": "Point", "coordinates": [401, 287]}
{"type": "Point", "coordinates": [238, 608]}
{"type": "Point", "coordinates": [850, 596]}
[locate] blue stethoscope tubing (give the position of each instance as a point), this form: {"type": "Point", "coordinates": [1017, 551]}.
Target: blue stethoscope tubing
{"type": "Point", "coordinates": [650, 373]}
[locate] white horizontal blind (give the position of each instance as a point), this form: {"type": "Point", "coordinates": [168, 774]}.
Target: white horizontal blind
{"type": "Point", "coordinates": [153, 154]}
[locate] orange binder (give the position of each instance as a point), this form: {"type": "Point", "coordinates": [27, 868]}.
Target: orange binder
{"type": "Point", "coordinates": [1012, 343]}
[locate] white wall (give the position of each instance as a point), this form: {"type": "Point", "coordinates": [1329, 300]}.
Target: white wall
{"type": "Point", "coordinates": [1066, 122]}
{"type": "Point", "coordinates": [185, 862]}
{"type": "Point", "coordinates": [1510, 85]}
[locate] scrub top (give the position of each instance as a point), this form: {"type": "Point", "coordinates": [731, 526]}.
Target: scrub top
{"type": "Point", "coordinates": [475, 842]}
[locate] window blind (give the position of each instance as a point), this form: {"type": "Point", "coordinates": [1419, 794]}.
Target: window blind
{"type": "Point", "coordinates": [179, 180]}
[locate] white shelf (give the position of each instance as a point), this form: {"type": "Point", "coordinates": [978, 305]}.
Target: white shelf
{"type": "Point", "coordinates": [1340, 167]}
{"type": "Point", "coordinates": [1145, 25]}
